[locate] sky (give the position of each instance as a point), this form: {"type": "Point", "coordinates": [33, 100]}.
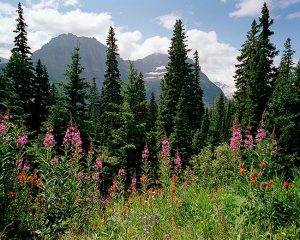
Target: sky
{"type": "Point", "coordinates": [216, 28]}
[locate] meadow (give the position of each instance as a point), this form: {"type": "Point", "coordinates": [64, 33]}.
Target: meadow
{"type": "Point", "coordinates": [53, 190]}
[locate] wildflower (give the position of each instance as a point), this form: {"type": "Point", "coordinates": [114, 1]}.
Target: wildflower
{"type": "Point", "coordinates": [19, 164]}
{"type": "Point", "coordinates": [133, 184]}
{"type": "Point", "coordinates": [249, 138]}
{"type": "Point", "coordinates": [34, 180]}
{"type": "Point", "coordinates": [159, 191]}
{"type": "Point", "coordinates": [96, 176]}
{"type": "Point", "coordinates": [286, 185]}
{"type": "Point", "coordinates": [173, 188]}
{"type": "Point", "coordinates": [114, 185]}
{"type": "Point", "coordinates": [26, 166]}
{"type": "Point", "coordinates": [125, 209]}
{"type": "Point", "coordinates": [165, 148]}
{"type": "Point", "coordinates": [261, 133]}
{"type": "Point", "coordinates": [54, 161]}
{"type": "Point", "coordinates": [236, 138]}
{"type": "Point", "coordinates": [253, 179]}
{"type": "Point", "coordinates": [98, 164]}
{"type": "Point", "coordinates": [174, 178]}
{"type": "Point", "coordinates": [79, 175]}
{"type": "Point", "coordinates": [143, 178]}
{"type": "Point", "coordinates": [121, 172]}
{"type": "Point", "coordinates": [145, 155]}
{"type": "Point", "coordinates": [271, 182]}
{"type": "Point", "coordinates": [49, 140]}
{"type": "Point", "coordinates": [88, 199]}
{"type": "Point", "coordinates": [72, 138]}
{"type": "Point", "coordinates": [11, 194]}
{"type": "Point", "coordinates": [21, 176]}
{"type": "Point", "coordinates": [262, 165]}
{"type": "Point", "coordinates": [177, 161]}
{"type": "Point", "coordinates": [104, 201]}
{"type": "Point", "coordinates": [130, 200]}
{"type": "Point", "coordinates": [259, 174]}
{"type": "Point", "coordinates": [242, 169]}
{"type": "Point", "coordinates": [261, 185]}
{"type": "Point", "coordinates": [22, 140]}
{"type": "Point", "coordinates": [2, 129]}
{"type": "Point", "coordinates": [140, 197]}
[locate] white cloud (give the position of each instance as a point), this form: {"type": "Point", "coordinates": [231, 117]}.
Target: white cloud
{"type": "Point", "coordinates": [217, 59]}
{"type": "Point", "coordinates": [252, 8]}
{"type": "Point", "coordinates": [247, 8]}
{"type": "Point", "coordinates": [168, 21]}
{"type": "Point", "coordinates": [46, 20]}
{"type": "Point", "coordinates": [294, 15]}
{"type": "Point", "coordinates": [71, 2]}
{"type": "Point", "coordinates": [223, 1]}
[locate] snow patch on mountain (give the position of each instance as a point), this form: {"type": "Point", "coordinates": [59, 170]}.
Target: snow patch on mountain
{"type": "Point", "coordinates": [228, 90]}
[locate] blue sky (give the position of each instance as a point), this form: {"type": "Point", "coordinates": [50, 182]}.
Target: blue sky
{"type": "Point", "coordinates": [216, 28]}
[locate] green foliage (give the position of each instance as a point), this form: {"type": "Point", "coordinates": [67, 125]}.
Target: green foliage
{"type": "Point", "coordinates": [110, 99]}
{"type": "Point", "coordinates": [75, 91]}
{"type": "Point", "coordinates": [216, 168]}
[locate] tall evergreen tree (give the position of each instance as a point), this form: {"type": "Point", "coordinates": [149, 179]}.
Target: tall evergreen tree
{"type": "Point", "coordinates": [217, 122]}
{"type": "Point", "coordinates": [21, 40]}
{"type": "Point", "coordinates": [152, 112]}
{"type": "Point", "coordinates": [93, 110]}
{"type": "Point", "coordinates": [284, 108]}
{"type": "Point", "coordinates": [40, 93]}
{"type": "Point", "coordinates": [75, 89]}
{"type": "Point", "coordinates": [175, 80]}
{"type": "Point", "coordinates": [243, 72]}
{"type": "Point", "coordinates": [196, 108]}
{"type": "Point", "coordinates": [200, 138]}
{"type": "Point", "coordinates": [111, 99]}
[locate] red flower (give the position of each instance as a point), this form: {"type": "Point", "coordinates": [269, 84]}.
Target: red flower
{"type": "Point", "coordinates": [286, 185]}
{"type": "Point", "coordinates": [140, 197]}
{"type": "Point", "coordinates": [261, 185]}
{"type": "Point", "coordinates": [143, 178]}
{"type": "Point", "coordinates": [11, 194]}
{"type": "Point", "coordinates": [253, 179]}
{"type": "Point", "coordinates": [259, 174]}
{"type": "Point", "coordinates": [88, 199]}
{"type": "Point", "coordinates": [262, 165]}
{"type": "Point", "coordinates": [21, 176]}
{"type": "Point", "coordinates": [174, 178]}
{"type": "Point", "coordinates": [242, 169]}
{"type": "Point", "coordinates": [271, 182]}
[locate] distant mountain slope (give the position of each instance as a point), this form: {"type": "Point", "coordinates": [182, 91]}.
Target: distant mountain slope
{"type": "Point", "coordinates": [227, 90]}
{"type": "Point", "coordinates": [56, 55]}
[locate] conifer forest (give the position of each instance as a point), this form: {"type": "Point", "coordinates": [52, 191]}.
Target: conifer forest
{"type": "Point", "coordinates": [82, 162]}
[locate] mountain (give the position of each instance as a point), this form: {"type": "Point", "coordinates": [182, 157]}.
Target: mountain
{"type": "Point", "coordinates": [3, 62]}
{"type": "Point", "coordinates": [228, 90]}
{"type": "Point", "coordinates": [153, 68]}
{"type": "Point", "coordinates": [56, 55]}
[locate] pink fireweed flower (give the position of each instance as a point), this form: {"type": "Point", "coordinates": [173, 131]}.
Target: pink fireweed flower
{"type": "Point", "coordinates": [145, 155]}
{"type": "Point", "coordinates": [98, 164]}
{"type": "Point", "coordinates": [26, 166]}
{"type": "Point", "coordinates": [96, 176]}
{"type": "Point", "coordinates": [72, 138]}
{"type": "Point", "coordinates": [165, 148]}
{"type": "Point", "coordinates": [177, 160]}
{"type": "Point", "coordinates": [249, 138]}
{"type": "Point", "coordinates": [121, 172]}
{"type": "Point", "coordinates": [22, 140]}
{"type": "Point", "coordinates": [236, 138]}
{"type": "Point", "coordinates": [133, 184]}
{"type": "Point", "coordinates": [49, 140]}
{"type": "Point", "coordinates": [261, 133]}
{"type": "Point", "coordinates": [2, 129]}
{"type": "Point", "coordinates": [19, 164]}
{"type": "Point", "coordinates": [54, 161]}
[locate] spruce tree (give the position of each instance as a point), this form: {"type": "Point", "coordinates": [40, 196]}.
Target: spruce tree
{"type": "Point", "coordinates": [152, 112]}
{"type": "Point", "coordinates": [93, 110]}
{"type": "Point", "coordinates": [75, 89]}
{"type": "Point", "coordinates": [243, 72]}
{"type": "Point", "coordinates": [196, 108]}
{"type": "Point", "coordinates": [200, 138]}
{"type": "Point", "coordinates": [176, 80]}
{"type": "Point", "coordinates": [21, 40]}
{"type": "Point", "coordinates": [111, 99]}
{"type": "Point", "coordinates": [40, 93]}
{"type": "Point", "coordinates": [284, 108]}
